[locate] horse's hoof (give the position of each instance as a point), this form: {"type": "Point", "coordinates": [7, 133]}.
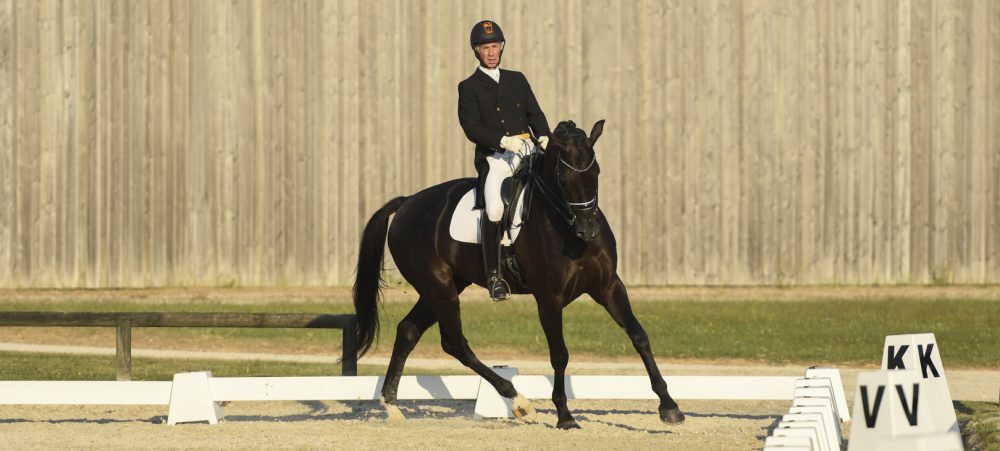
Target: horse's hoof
{"type": "Point", "coordinates": [568, 424]}
{"type": "Point", "coordinates": [672, 416]}
{"type": "Point", "coordinates": [393, 414]}
{"type": "Point", "coordinates": [522, 408]}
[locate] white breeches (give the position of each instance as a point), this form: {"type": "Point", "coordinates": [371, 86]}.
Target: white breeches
{"type": "Point", "coordinates": [502, 166]}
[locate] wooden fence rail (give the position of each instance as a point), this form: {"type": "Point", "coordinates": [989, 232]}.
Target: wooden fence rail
{"type": "Point", "coordinates": [125, 321]}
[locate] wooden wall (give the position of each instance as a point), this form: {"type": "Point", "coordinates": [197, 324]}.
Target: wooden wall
{"type": "Point", "coordinates": [194, 142]}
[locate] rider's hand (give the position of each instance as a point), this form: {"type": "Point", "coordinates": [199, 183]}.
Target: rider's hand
{"type": "Point", "coordinates": [543, 141]}
{"type": "Point", "coordinates": [511, 143]}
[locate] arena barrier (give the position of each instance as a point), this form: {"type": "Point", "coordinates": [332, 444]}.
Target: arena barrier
{"type": "Point", "coordinates": [196, 396]}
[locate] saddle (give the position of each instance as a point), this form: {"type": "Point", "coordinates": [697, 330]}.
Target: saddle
{"type": "Point", "coordinates": [510, 190]}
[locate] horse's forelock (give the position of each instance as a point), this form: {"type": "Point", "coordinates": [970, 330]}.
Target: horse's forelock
{"type": "Point", "coordinates": [568, 132]}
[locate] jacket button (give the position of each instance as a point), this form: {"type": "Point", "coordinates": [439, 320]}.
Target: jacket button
{"type": "Point", "coordinates": [501, 121]}
{"type": "Point", "coordinates": [498, 108]}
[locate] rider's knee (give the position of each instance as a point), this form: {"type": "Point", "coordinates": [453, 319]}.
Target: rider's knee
{"type": "Point", "coordinates": [494, 211]}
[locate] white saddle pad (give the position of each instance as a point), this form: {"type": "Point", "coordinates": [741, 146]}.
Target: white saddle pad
{"type": "Point", "coordinates": [465, 221]}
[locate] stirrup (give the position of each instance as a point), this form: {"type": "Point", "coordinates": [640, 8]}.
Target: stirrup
{"type": "Point", "coordinates": [499, 290]}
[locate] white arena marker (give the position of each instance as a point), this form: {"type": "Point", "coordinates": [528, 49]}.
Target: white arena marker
{"type": "Point", "coordinates": [489, 403]}
{"type": "Point", "coordinates": [191, 399]}
{"type": "Point", "coordinates": [920, 352]}
{"type": "Point", "coordinates": [889, 404]}
{"type": "Point", "coordinates": [823, 404]}
{"type": "Point", "coordinates": [774, 443]}
{"type": "Point", "coordinates": [810, 420]}
{"type": "Point", "coordinates": [830, 423]}
{"type": "Point", "coordinates": [808, 433]}
{"type": "Point", "coordinates": [839, 394]}
{"type": "Point", "coordinates": [817, 393]}
{"type": "Point", "coordinates": [938, 441]}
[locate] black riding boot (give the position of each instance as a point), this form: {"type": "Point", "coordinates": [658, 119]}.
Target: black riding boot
{"type": "Point", "coordinates": [498, 288]}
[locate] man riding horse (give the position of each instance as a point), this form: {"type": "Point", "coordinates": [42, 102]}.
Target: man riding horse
{"type": "Point", "coordinates": [568, 248]}
{"type": "Point", "coordinates": [498, 113]}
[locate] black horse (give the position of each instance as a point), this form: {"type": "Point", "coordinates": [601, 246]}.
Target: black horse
{"type": "Point", "coordinates": [564, 250]}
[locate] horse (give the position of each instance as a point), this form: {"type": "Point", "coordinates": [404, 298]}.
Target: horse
{"type": "Point", "coordinates": [565, 249]}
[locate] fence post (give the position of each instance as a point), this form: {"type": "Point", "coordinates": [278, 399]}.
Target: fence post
{"type": "Point", "coordinates": [123, 348]}
{"type": "Point", "coordinates": [349, 359]}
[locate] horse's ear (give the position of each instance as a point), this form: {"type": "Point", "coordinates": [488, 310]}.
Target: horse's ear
{"type": "Point", "coordinates": [596, 132]}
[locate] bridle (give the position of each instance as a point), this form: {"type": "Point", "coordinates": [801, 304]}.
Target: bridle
{"type": "Point", "coordinates": [566, 209]}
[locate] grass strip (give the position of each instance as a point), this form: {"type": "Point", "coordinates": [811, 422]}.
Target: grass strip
{"type": "Point", "coordinates": [43, 367]}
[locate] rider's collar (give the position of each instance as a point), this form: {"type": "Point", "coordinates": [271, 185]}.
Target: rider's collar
{"type": "Point", "coordinates": [493, 73]}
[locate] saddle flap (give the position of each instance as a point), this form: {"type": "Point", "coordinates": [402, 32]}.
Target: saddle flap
{"type": "Point", "coordinates": [464, 226]}
{"type": "Point", "coordinates": [507, 189]}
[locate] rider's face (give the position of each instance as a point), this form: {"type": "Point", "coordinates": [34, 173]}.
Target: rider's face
{"type": "Point", "coordinates": [489, 54]}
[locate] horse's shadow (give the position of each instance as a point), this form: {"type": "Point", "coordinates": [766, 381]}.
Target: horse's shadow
{"type": "Point", "coordinates": [368, 410]}
{"type": "Point", "coordinates": [439, 410]}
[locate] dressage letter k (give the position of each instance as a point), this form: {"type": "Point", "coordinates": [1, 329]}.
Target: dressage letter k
{"type": "Point", "coordinates": [895, 360]}
{"type": "Point", "coordinates": [925, 360]}
{"type": "Point", "coordinates": [871, 412]}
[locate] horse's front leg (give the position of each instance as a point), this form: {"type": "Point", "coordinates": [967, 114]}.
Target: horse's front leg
{"type": "Point", "coordinates": [614, 298]}
{"type": "Point", "coordinates": [454, 343]}
{"type": "Point", "coordinates": [550, 314]}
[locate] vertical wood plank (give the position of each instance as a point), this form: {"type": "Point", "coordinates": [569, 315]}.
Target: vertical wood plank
{"type": "Point", "coordinates": [8, 148]}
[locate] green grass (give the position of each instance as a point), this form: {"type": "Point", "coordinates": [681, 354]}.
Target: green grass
{"type": "Point", "coordinates": [23, 366]}
{"type": "Point", "coordinates": [980, 424]}
{"type": "Point", "coordinates": [811, 332]}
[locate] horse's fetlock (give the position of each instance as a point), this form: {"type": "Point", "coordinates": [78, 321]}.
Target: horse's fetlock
{"type": "Point", "coordinates": [506, 389]}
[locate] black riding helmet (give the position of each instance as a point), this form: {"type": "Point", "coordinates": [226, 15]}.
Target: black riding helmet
{"type": "Point", "coordinates": [486, 31]}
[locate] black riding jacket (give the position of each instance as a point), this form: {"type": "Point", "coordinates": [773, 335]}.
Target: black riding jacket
{"type": "Point", "coordinates": [489, 110]}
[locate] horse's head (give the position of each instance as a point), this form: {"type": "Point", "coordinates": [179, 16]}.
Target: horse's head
{"type": "Point", "coordinates": [571, 164]}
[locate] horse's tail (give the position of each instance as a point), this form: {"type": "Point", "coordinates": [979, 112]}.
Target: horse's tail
{"type": "Point", "coordinates": [369, 282]}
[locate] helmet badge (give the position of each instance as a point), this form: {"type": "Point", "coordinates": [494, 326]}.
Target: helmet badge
{"type": "Point", "coordinates": [488, 27]}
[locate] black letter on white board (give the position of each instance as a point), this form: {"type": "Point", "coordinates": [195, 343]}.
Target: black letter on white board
{"type": "Point", "coordinates": [895, 360]}
{"type": "Point", "coordinates": [910, 411]}
{"type": "Point", "coordinates": [925, 360]}
{"type": "Point", "coordinates": [871, 412]}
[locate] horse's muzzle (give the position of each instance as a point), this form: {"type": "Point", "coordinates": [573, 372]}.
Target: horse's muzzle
{"type": "Point", "coordinates": [585, 231]}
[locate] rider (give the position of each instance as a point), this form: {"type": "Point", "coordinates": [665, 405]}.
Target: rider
{"type": "Point", "coordinates": [498, 113]}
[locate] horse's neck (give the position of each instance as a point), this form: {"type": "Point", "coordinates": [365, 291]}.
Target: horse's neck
{"type": "Point", "coordinates": [544, 219]}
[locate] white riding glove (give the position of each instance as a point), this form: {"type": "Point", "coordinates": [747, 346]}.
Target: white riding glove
{"type": "Point", "coordinates": [511, 143]}
{"type": "Point", "coordinates": [543, 141]}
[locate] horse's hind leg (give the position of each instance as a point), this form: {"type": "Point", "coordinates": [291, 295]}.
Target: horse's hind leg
{"type": "Point", "coordinates": [407, 335]}
{"type": "Point", "coordinates": [615, 299]}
